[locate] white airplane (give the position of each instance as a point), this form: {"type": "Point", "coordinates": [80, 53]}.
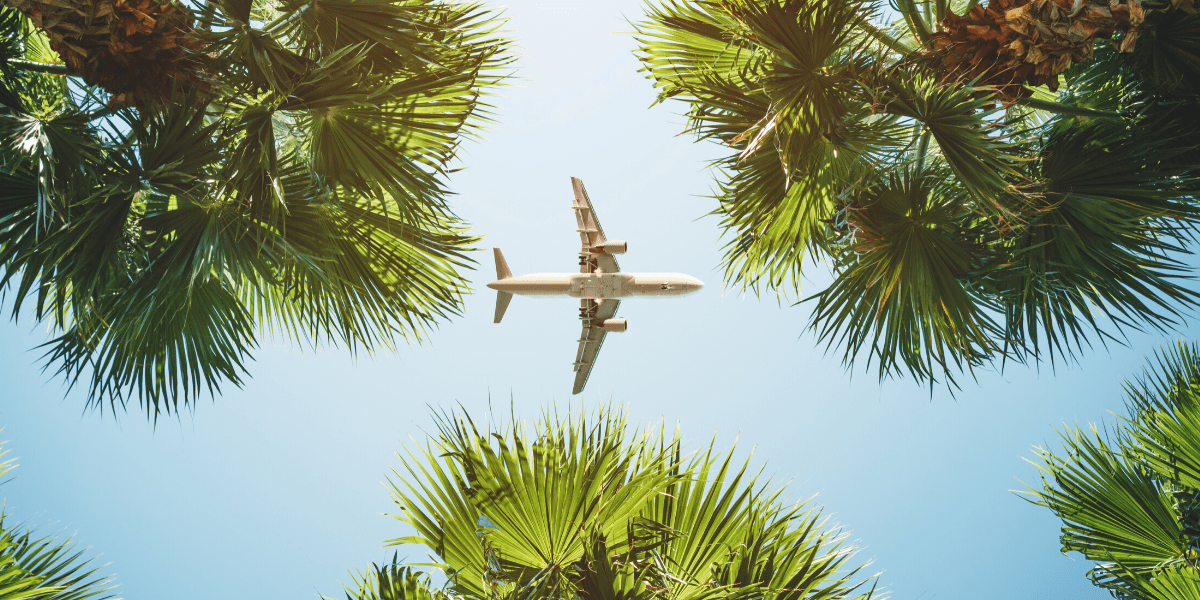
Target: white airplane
{"type": "Point", "coordinates": [600, 284]}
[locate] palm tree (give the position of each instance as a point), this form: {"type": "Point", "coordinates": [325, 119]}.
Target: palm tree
{"type": "Point", "coordinates": [178, 179]}
{"type": "Point", "coordinates": [969, 212]}
{"type": "Point", "coordinates": [33, 568]}
{"type": "Point", "coordinates": [1130, 500]}
{"type": "Point", "coordinates": [590, 509]}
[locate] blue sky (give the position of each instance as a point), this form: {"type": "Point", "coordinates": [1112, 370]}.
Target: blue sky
{"type": "Point", "coordinates": [274, 490]}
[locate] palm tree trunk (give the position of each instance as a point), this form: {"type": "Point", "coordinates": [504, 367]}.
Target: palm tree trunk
{"type": "Point", "coordinates": [135, 49]}
{"type": "Point", "coordinates": [1012, 44]}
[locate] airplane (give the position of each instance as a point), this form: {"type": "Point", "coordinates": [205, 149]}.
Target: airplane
{"type": "Point", "coordinates": [599, 285]}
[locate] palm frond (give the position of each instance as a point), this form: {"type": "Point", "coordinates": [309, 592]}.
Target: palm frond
{"type": "Point", "coordinates": [1112, 511]}
{"type": "Point", "coordinates": [1071, 242]}
{"type": "Point", "coordinates": [44, 568]}
{"type": "Point", "coordinates": [1131, 502]}
{"type": "Point", "coordinates": [684, 40]}
{"type": "Point", "coordinates": [391, 582]}
{"type": "Point", "coordinates": [705, 514]}
{"type": "Point", "coordinates": [1165, 402]}
{"type": "Point", "coordinates": [905, 288]}
{"type": "Point", "coordinates": [1106, 247]}
{"type": "Point", "coordinates": [1172, 584]}
{"type": "Point", "coordinates": [1167, 57]}
{"type": "Point", "coordinates": [962, 120]}
{"type": "Point", "coordinates": [790, 553]}
{"type": "Point", "coordinates": [163, 350]}
{"type": "Point", "coordinates": [778, 83]}
{"type": "Point", "coordinates": [602, 578]}
{"type": "Point", "coordinates": [545, 494]}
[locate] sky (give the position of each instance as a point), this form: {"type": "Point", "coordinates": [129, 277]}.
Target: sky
{"type": "Point", "coordinates": [277, 490]}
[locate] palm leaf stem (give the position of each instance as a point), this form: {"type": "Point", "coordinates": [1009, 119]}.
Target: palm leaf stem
{"type": "Point", "coordinates": [29, 65]}
{"type": "Point", "coordinates": [206, 15]}
{"type": "Point", "coordinates": [887, 40]}
{"type": "Point", "coordinates": [970, 4]}
{"type": "Point", "coordinates": [918, 24]}
{"type": "Point", "coordinates": [940, 10]}
{"type": "Point", "coordinates": [922, 149]}
{"type": "Point", "coordinates": [1066, 109]}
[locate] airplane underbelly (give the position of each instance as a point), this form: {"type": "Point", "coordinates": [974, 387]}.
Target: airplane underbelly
{"type": "Point", "coordinates": [597, 287]}
{"type": "Point", "coordinates": [538, 284]}
{"type": "Point", "coordinates": [662, 285]}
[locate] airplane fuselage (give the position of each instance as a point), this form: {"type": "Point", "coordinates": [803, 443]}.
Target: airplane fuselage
{"type": "Point", "coordinates": [599, 286]}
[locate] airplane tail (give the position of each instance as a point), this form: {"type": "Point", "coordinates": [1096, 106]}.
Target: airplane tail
{"type": "Point", "coordinates": [502, 298]}
{"type": "Point", "coordinates": [502, 271]}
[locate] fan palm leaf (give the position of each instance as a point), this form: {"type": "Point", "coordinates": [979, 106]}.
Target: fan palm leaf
{"type": "Point", "coordinates": [772, 80]}
{"type": "Point", "coordinates": [1175, 584]}
{"type": "Point", "coordinates": [1112, 511]}
{"type": "Point", "coordinates": [904, 289]}
{"type": "Point", "coordinates": [545, 494]}
{"type": "Point", "coordinates": [595, 509]}
{"type": "Point", "coordinates": [392, 582]}
{"type": "Point", "coordinates": [1107, 245]}
{"type": "Point", "coordinates": [1131, 501]}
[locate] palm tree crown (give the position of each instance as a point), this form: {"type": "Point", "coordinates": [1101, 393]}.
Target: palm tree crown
{"type": "Point", "coordinates": [968, 211]}
{"type": "Point", "coordinates": [281, 169]}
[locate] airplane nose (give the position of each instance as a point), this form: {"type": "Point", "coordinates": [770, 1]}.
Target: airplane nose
{"type": "Point", "coordinates": [694, 284]}
{"type": "Point", "coordinates": [493, 284]}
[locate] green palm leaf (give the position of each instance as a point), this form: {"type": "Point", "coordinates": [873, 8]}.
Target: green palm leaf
{"type": "Point", "coordinates": [1112, 511]}
{"type": "Point", "coordinates": [1175, 584]}
{"type": "Point", "coordinates": [1106, 245]}
{"type": "Point", "coordinates": [1167, 401]}
{"type": "Point", "coordinates": [544, 495]}
{"type": "Point", "coordinates": [391, 582]}
{"type": "Point", "coordinates": [34, 568]}
{"type": "Point", "coordinates": [1131, 502]}
{"type": "Point", "coordinates": [962, 120]}
{"type": "Point", "coordinates": [776, 81]}
{"type": "Point", "coordinates": [1167, 57]}
{"type": "Point", "coordinates": [905, 288]}
{"type": "Point", "coordinates": [593, 509]}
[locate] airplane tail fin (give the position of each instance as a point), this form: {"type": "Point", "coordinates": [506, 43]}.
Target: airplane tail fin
{"type": "Point", "coordinates": [502, 300]}
{"type": "Point", "coordinates": [502, 272]}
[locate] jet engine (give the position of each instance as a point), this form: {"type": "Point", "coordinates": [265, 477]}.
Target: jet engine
{"type": "Point", "coordinates": [615, 325]}
{"type": "Point", "coordinates": [613, 247]}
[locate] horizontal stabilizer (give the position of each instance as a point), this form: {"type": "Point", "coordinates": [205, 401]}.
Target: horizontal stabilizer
{"type": "Point", "coordinates": [502, 271]}
{"type": "Point", "coordinates": [502, 300]}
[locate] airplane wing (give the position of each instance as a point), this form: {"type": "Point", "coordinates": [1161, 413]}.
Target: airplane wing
{"type": "Point", "coordinates": [591, 234]}
{"type": "Point", "coordinates": [591, 311]}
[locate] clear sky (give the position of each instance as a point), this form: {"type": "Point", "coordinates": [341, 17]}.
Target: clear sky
{"type": "Point", "coordinates": [274, 490]}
